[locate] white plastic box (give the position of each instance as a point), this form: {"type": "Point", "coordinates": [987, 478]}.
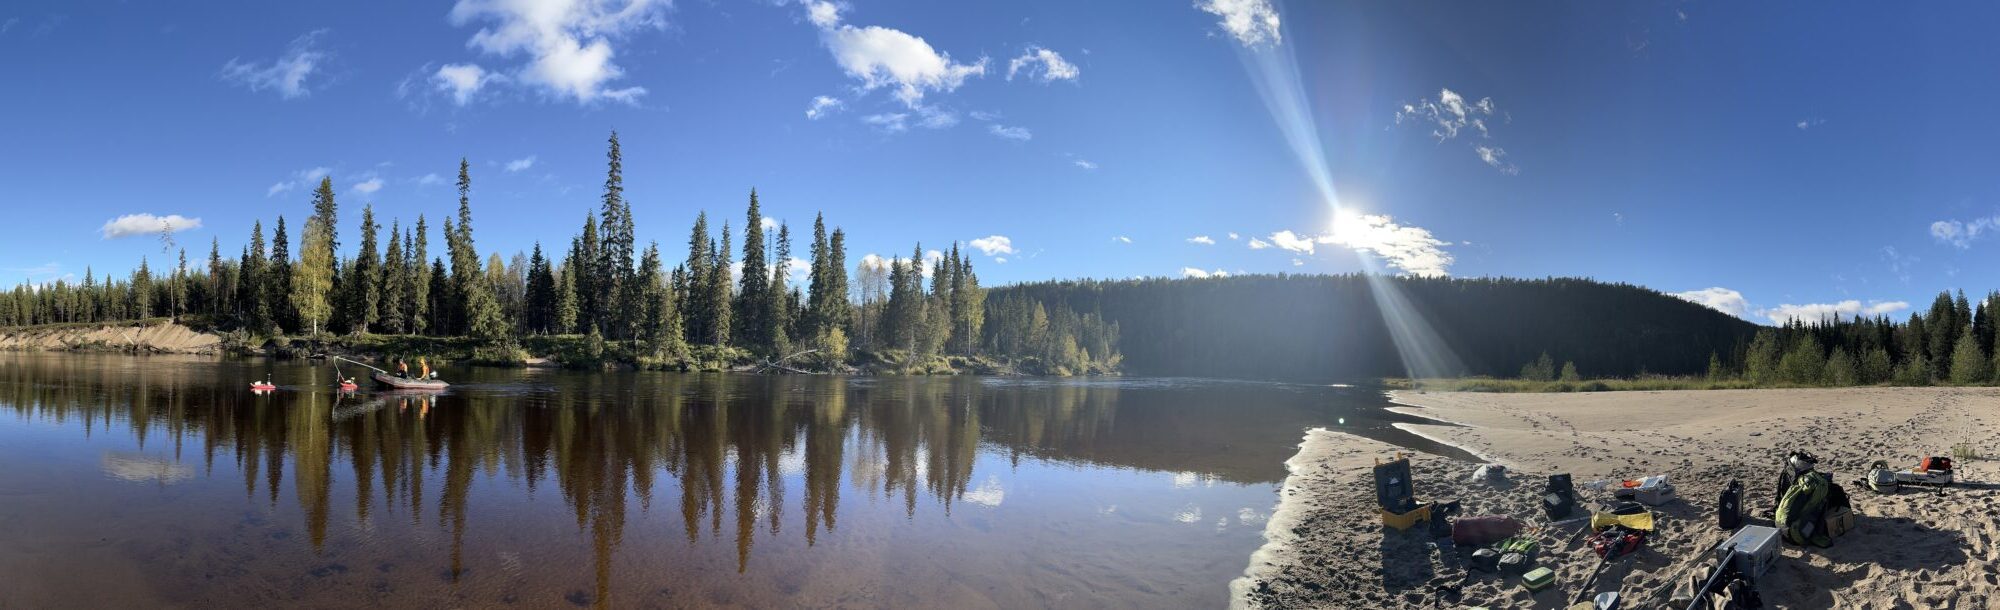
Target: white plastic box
{"type": "Point", "coordinates": [1753, 550]}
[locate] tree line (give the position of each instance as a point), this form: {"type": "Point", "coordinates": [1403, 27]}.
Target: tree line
{"type": "Point", "coordinates": [603, 287]}
{"type": "Point", "coordinates": [1951, 343]}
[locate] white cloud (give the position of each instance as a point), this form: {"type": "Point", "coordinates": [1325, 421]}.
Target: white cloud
{"type": "Point", "coordinates": [1122, 239]}
{"type": "Point", "coordinates": [1018, 134]}
{"type": "Point", "coordinates": [1258, 244]}
{"type": "Point", "coordinates": [287, 74]}
{"type": "Point", "coordinates": [1290, 241]}
{"type": "Point", "coordinates": [301, 178]}
{"type": "Point", "coordinates": [768, 223]}
{"type": "Point", "coordinates": [1044, 65]}
{"type": "Point", "coordinates": [1720, 299]}
{"type": "Point", "coordinates": [1733, 303]}
{"type": "Point", "coordinates": [1194, 272]}
{"type": "Point", "coordinates": [147, 224]}
{"type": "Point", "coordinates": [1251, 22]}
{"type": "Point", "coordinates": [1201, 239]}
{"type": "Point", "coordinates": [1450, 114]}
{"type": "Point", "coordinates": [883, 57]}
{"type": "Point", "coordinates": [368, 186]}
{"type": "Point", "coordinates": [1233, 235]}
{"type": "Point", "coordinates": [1084, 164]}
{"type": "Point", "coordinates": [1000, 259]}
{"type": "Point", "coordinates": [462, 81]}
{"type": "Point", "coordinates": [1961, 234]}
{"type": "Point", "coordinates": [932, 117]}
{"type": "Point", "coordinates": [521, 163]}
{"type": "Point", "coordinates": [567, 43]}
{"type": "Point", "coordinates": [1493, 155]}
{"type": "Point", "coordinates": [431, 179]}
{"type": "Point", "coordinates": [1812, 313]}
{"type": "Point", "coordinates": [1411, 249]}
{"type": "Point", "coordinates": [1805, 124]}
{"type": "Point", "coordinates": [874, 261]}
{"type": "Point", "coordinates": [821, 106]}
{"type": "Point", "coordinates": [892, 122]}
{"type": "Point", "coordinates": [989, 493]}
{"type": "Point", "coordinates": [1298, 263]}
{"type": "Point", "coordinates": [992, 245]}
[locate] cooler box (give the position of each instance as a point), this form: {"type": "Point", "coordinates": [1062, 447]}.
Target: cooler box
{"type": "Point", "coordinates": [1397, 495]}
{"type": "Point", "coordinates": [1752, 550]}
{"type": "Point", "coordinates": [1406, 520]}
{"type": "Point", "coordinates": [1538, 579]}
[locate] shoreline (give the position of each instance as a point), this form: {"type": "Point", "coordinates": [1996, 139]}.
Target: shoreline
{"type": "Point", "coordinates": [1930, 549]}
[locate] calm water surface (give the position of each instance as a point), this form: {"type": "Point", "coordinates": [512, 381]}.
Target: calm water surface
{"type": "Point", "coordinates": [161, 481]}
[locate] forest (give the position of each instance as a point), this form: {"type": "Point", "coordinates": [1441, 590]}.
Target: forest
{"type": "Point", "coordinates": [1951, 343]}
{"type": "Point", "coordinates": [618, 301]}
{"type": "Point", "coordinates": [1330, 328]}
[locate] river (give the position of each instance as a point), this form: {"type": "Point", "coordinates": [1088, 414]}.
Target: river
{"type": "Point", "coordinates": [162, 481]}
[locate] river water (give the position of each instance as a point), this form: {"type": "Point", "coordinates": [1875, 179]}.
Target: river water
{"type": "Point", "coordinates": [164, 482]}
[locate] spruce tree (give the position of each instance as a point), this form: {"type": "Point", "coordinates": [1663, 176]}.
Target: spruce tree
{"type": "Point", "coordinates": [777, 303]}
{"type": "Point", "coordinates": [364, 280]}
{"type": "Point", "coordinates": [695, 309]}
{"type": "Point", "coordinates": [614, 265]}
{"type": "Point", "coordinates": [586, 256]}
{"type": "Point", "coordinates": [278, 293]}
{"type": "Point", "coordinates": [142, 291]}
{"type": "Point", "coordinates": [415, 246]}
{"type": "Point", "coordinates": [539, 309]}
{"type": "Point", "coordinates": [563, 315]}
{"type": "Point", "coordinates": [718, 291]}
{"type": "Point", "coordinates": [753, 294]}
{"type": "Point", "coordinates": [395, 283]}
{"type": "Point", "coordinates": [480, 313]}
{"type": "Point", "coordinates": [253, 287]}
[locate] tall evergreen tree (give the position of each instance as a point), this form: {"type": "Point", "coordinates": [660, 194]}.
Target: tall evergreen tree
{"type": "Point", "coordinates": [587, 264]}
{"type": "Point", "coordinates": [777, 303]}
{"type": "Point", "coordinates": [538, 312]}
{"type": "Point", "coordinates": [718, 291]}
{"type": "Point", "coordinates": [661, 323]}
{"type": "Point", "coordinates": [415, 248]}
{"type": "Point", "coordinates": [364, 280]}
{"type": "Point", "coordinates": [753, 293]}
{"type": "Point", "coordinates": [481, 313]}
{"type": "Point", "coordinates": [695, 308]}
{"type": "Point", "coordinates": [278, 293]}
{"type": "Point", "coordinates": [614, 268]}
{"type": "Point", "coordinates": [142, 291]}
{"type": "Point", "coordinates": [395, 289]}
{"type": "Point", "coordinates": [252, 286]}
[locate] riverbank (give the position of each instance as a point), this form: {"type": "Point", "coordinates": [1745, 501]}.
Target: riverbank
{"type": "Point", "coordinates": [161, 336]}
{"type": "Point", "coordinates": [1915, 549]}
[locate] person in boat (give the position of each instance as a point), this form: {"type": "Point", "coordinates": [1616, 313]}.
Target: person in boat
{"type": "Point", "coordinates": [402, 368]}
{"type": "Point", "coordinates": [425, 364]}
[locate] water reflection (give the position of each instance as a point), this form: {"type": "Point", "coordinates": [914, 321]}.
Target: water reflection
{"type": "Point", "coordinates": [733, 454]}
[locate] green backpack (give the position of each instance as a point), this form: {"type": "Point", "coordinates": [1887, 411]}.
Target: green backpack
{"type": "Point", "coordinates": [1801, 510]}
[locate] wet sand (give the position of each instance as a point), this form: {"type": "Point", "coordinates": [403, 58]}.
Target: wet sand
{"type": "Point", "coordinates": [1925, 549]}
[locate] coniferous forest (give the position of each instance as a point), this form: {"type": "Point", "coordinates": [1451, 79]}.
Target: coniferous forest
{"type": "Point", "coordinates": [717, 303]}
{"type": "Point", "coordinates": [731, 297]}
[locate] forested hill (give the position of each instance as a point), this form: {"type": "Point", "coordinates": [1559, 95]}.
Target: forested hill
{"type": "Point", "coordinates": [1318, 327]}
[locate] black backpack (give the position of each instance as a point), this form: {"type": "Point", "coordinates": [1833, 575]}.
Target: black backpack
{"type": "Point", "coordinates": [1729, 508]}
{"type": "Point", "coordinates": [1559, 498]}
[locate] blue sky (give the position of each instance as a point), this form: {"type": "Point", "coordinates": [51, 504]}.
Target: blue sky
{"type": "Point", "coordinates": [1768, 159]}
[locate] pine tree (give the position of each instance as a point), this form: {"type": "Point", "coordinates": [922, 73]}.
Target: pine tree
{"type": "Point", "coordinates": [278, 293]}
{"type": "Point", "coordinates": [312, 279]}
{"type": "Point", "coordinates": [591, 287]}
{"type": "Point", "coordinates": [539, 310]}
{"type": "Point", "coordinates": [142, 291]}
{"type": "Point", "coordinates": [695, 308]}
{"type": "Point", "coordinates": [177, 288]}
{"type": "Point", "coordinates": [968, 304]}
{"type": "Point", "coordinates": [753, 294]}
{"type": "Point", "coordinates": [777, 303]}
{"type": "Point", "coordinates": [837, 310]}
{"type": "Point", "coordinates": [422, 316]}
{"type": "Point", "coordinates": [614, 268]}
{"type": "Point", "coordinates": [395, 283]}
{"type": "Point", "coordinates": [481, 312]}
{"type": "Point", "coordinates": [438, 289]}
{"type": "Point", "coordinates": [252, 290]}
{"type": "Point", "coordinates": [364, 292]}
{"type": "Point", "coordinates": [217, 303]}
{"type": "Point", "coordinates": [718, 291]}
{"type": "Point", "coordinates": [563, 316]}
{"type": "Point", "coordinates": [661, 326]}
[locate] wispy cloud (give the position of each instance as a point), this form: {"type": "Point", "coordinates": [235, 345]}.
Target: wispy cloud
{"type": "Point", "coordinates": [1195, 272]}
{"type": "Point", "coordinates": [1085, 164]}
{"type": "Point", "coordinates": [1018, 134]}
{"type": "Point", "coordinates": [287, 74]}
{"type": "Point", "coordinates": [1805, 124]}
{"type": "Point", "coordinates": [431, 179]}
{"type": "Point", "coordinates": [1720, 299]}
{"type": "Point", "coordinates": [1258, 244]}
{"type": "Point", "coordinates": [892, 122]}
{"type": "Point", "coordinates": [368, 186]}
{"type": "Point", "coordinates": [567, 46]}
{"type": "Point", "coordinates": [304, 177]}
{"type": "Point", "coordinates": [521, 164]}
{"type": "Point", "coordinates": [1122, 239]}
{"type": "Point", "coordinates": [131, 225]}
{"type": "Point", "coordinates": [1451, 114]}
{"type": "Point", "coordinates": [821, 106]}
{"type": "Point", "coordinates": [1251, 22]}
{"type": "Point", "coordinates": [1201, 239]}
{"type": "Point", "coordinates": [1044, 65]}
{"type": "Point", "coordinates": [1411, 249]}
{"type": "Point", "coordinates": [1290, 241]}
{"type": "Point", "coordinates": [1961, 233]}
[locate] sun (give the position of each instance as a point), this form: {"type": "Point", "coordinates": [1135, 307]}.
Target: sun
{"type": "Point", "coordinates": [1344, 220]}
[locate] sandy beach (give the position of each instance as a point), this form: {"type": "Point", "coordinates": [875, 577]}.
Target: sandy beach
{"type": "Point", "coordinates": [1917, 549]}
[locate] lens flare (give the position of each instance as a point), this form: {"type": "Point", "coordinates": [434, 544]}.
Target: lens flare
{"type": "Point", "coordinates": [1274, 72]}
